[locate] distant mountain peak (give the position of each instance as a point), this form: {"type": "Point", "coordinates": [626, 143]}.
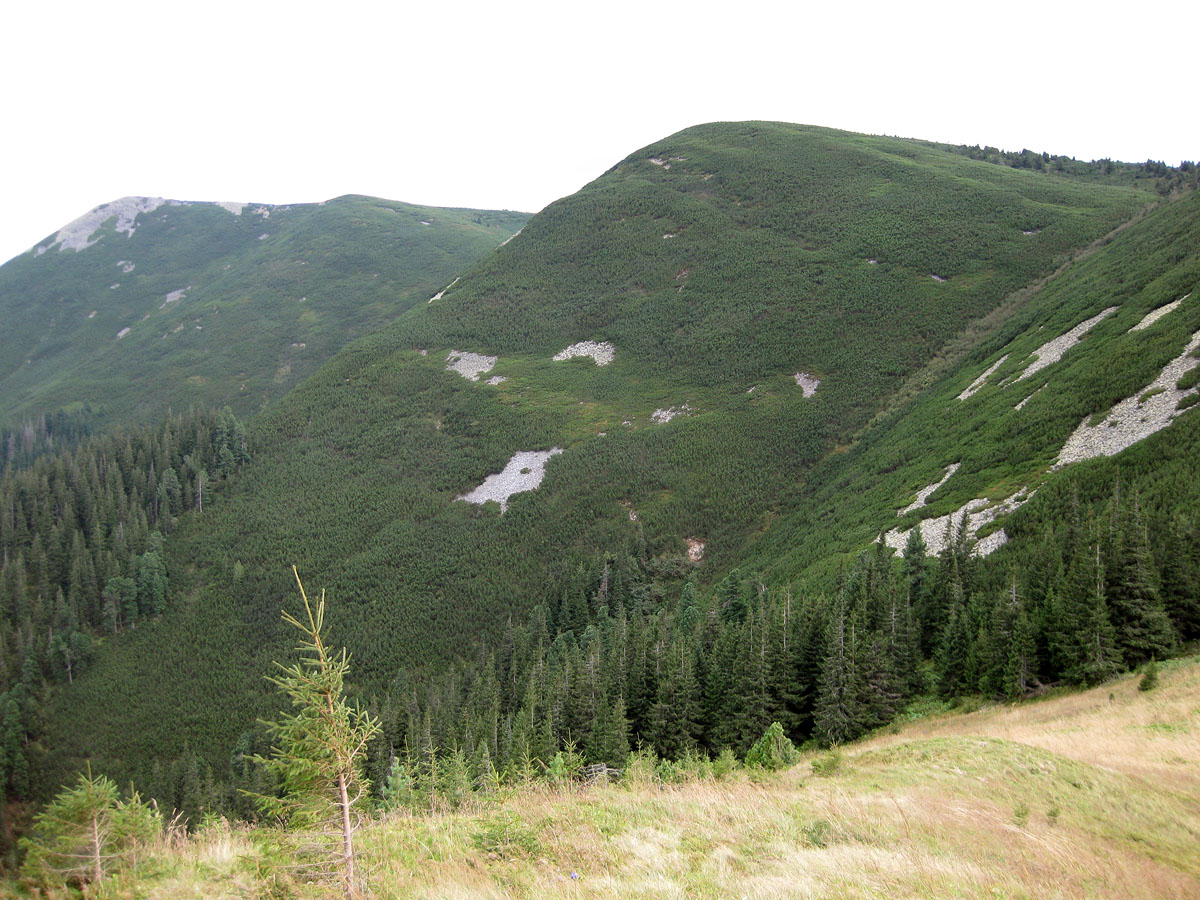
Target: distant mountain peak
{"type": "Point", "coordinates": [77, 235]}
{"type": "Point", "coordinates": [177, 276]}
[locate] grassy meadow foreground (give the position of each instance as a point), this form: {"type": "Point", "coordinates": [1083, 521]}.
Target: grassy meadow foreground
{"type": "Point", "coordinates": [1093, 794]}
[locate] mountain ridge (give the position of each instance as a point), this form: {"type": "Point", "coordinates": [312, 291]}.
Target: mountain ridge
{"type": "Point", "coordinates": [118, 324]}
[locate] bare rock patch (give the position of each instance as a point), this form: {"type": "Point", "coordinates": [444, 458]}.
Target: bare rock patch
{"type": "Point", "coordinates": [808, 383]}
{"type": "Point", "coordinates": [1052, 351]}
{"type": "Point", "coordinates": [601, 352]}
{"type": "Point", "coordinates": [77, 235]}
{"type": "Point", "coordinates": [1022, 403]}
{"type": "Point", "coordinates": [991, 543]}
{"type": "Point", "coordinates": [1155, 314]}
{"type": "Point", "coordinates": [939, 531]}
{"type": "Point", "coordinates": [175, 296]}
{"type": "Point", "coordinates": [975, 386]}
{"type": "Point", "coordinates": [926, 492]}
{"type": "Point", "coordinates": [1135, 418]}
{"type": "Point", "coordinates": [442, 292]}
{"type": "Point", "coordinates": [524, 472]}
{"type": "Point", "coordinates": [663, 416]}
{"type": "Point", "coordinates": [470, 365]}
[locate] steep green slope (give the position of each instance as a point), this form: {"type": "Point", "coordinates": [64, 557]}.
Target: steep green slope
{"type": "Point", "coordinates": [145, 303]}
{"type": "Point", "coordinates": [720, 263]}
{"type": "Point", "coordinates": [1008, 435]}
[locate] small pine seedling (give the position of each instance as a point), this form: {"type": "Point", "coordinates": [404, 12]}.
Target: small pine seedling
{"type": "Point", "coordinates": [1149, 678]}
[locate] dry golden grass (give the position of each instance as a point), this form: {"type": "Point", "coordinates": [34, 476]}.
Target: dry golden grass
{"type": "Point", "coordinates": [1153, 735]}
{"type": "Point", "coordinates": [1079, 796]}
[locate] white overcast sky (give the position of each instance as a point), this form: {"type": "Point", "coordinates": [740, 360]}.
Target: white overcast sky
{"type": "Point", "coordinates": [512, 105]}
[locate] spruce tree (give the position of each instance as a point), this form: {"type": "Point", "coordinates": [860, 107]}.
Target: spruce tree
{"type": "Point", "coordinates": [674, 725]}
{"type": "Point", "coordinates": [86, 833]}
{"type": "Point", "coordinates": [1181, 576]}
{"type": "Point", "coordinates": [1020, 669]}
{"type": "Point", "coordinates": [879, 690]}
{"type": "Point", "coordinates": [774, 750]}
{"type": "Point", "coordinates": [954, 663]}
{"type": "Point", "coordinates": [810, 651]}
{"type": "Point", "coordinates": [837, 717]}
{"type": "Point", "coordinates": [783, 685]}
{"type": "Point", "coordinates": [13, 759]}
{"type": "Point", "coordinates": [1142, 627]}
{"type": "Point", "coordinates": [719, 699]}
{"type": "Point", "coordinates": [903, 645]}
{"type": "Point", "coordinates": [735, 602]}
{"type": "Point", "coordinates": [1008, 652]}
{"type": "Point", "coordinates": [1096, 656]}
{"type": "Point", "coordinates": [616, 747]}
{"type": "Point", "coordinates": [1149, 679]}
{"type": "Point", "coordinates": [318, 749]}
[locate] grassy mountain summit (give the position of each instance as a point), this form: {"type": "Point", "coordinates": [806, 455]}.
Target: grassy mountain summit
{"type": "Point", "coordinates": [146, 303]}
{"type": "Point", "coordinates": [733, 252]}
{"type": "Point", "coordinates": [729, 306]}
